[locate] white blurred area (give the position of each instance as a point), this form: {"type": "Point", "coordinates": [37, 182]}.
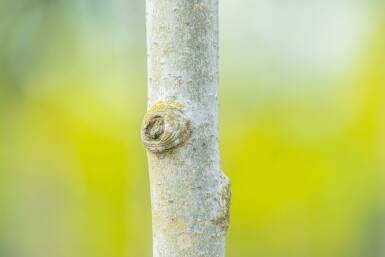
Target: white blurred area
{"type": "Point", "coordinates": [295, 38]}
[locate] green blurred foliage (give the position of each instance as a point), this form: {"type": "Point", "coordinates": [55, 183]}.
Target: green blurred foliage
{"type": "Point", "coordinates": [302, 124]}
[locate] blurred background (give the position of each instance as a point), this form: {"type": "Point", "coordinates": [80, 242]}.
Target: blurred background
{"type": "Point", "coordinates": [302, 128]}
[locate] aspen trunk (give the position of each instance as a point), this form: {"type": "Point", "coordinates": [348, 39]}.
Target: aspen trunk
{"type": "Point", "coordinates": [189, 193]}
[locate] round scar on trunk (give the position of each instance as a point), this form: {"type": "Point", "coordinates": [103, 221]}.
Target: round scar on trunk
{"type": "Point", "coordinates": [165, 126]}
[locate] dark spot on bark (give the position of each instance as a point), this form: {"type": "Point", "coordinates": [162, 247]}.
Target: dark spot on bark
{"type": "Point", "coordinates": [155, 127]}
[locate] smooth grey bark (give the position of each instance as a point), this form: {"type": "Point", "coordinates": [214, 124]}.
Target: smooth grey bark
{"type": "Point", "coordinates": [190, 195]}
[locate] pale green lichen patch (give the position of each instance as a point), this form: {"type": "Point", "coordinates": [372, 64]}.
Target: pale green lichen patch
{"type": "Point", "coordinates": [160, 104]}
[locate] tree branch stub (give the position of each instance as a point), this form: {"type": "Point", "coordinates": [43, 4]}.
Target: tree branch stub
{"type": "Point", "coordinates": [165, 127]}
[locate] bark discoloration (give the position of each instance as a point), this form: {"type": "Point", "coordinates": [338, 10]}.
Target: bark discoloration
{"type": "Point", "coordinates": [184, 242]}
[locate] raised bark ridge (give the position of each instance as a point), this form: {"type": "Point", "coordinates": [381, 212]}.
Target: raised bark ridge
{"type": "Point", "coordinates": [190, 195]}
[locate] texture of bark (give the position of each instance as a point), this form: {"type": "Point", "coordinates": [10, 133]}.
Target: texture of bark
{"type": "Point", "coordinates": [190, 195]}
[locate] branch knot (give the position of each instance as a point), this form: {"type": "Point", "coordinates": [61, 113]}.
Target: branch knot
{"type": "Point", "coordinates": [165, 126]}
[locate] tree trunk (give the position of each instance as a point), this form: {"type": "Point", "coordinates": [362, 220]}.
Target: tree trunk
{"type": "Point", "coordinates": [190, 195]}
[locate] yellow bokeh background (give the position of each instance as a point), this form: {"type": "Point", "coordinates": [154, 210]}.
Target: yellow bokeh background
{"type": "Point", "coordinates": [302, 128]}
